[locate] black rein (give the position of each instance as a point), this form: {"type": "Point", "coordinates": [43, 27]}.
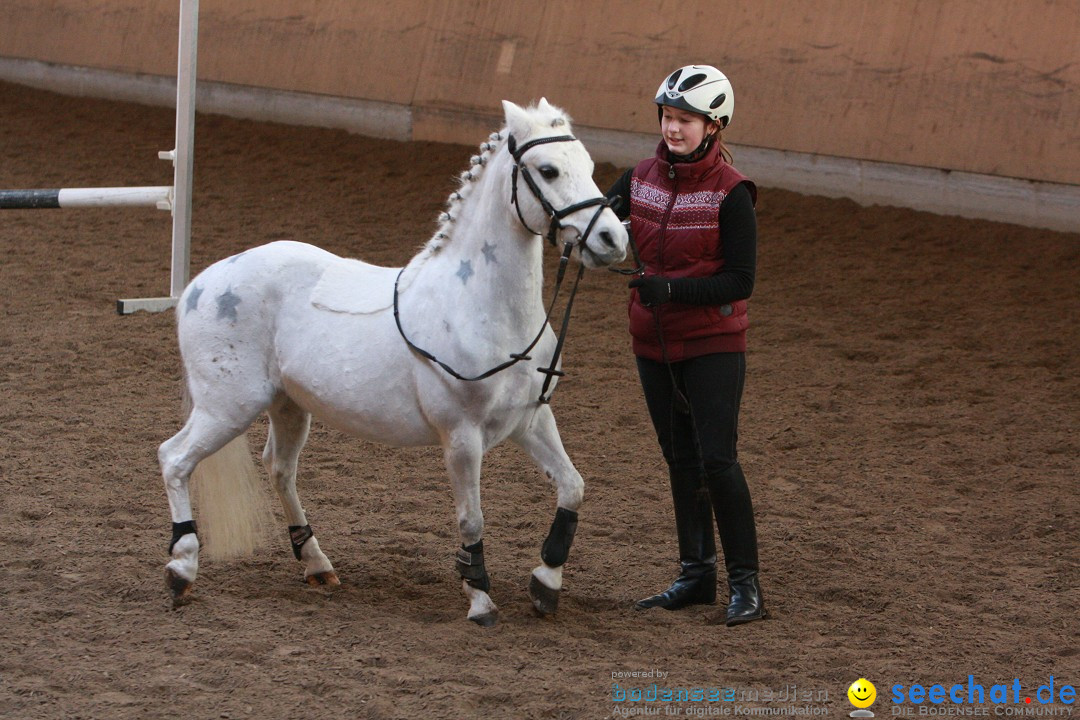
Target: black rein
{"type": "Point", "coordinates": [601, 204]}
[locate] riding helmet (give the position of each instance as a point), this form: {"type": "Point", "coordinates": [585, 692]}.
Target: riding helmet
{"type": "Point", "coordinates": [701, 89]}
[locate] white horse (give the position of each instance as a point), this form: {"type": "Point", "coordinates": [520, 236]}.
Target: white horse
{"type": "Point", "coordinates": [292, 330]}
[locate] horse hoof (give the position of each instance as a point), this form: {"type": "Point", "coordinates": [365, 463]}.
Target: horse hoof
{"type": "Point", "coordinates": [544, 599]}
{"type": "Point", "coordinates": [324, 578]}
{"type": "Point", "coordinates": [179, 588]}
{"type": "Point", "coordinates": [487, 619]}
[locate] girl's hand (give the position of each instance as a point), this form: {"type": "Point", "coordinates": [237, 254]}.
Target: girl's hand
{"type": "Point", "coordinates": [652, 290]}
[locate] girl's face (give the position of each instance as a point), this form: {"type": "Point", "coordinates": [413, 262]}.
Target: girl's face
{"type": "Point", "coordinates": [683, 130]}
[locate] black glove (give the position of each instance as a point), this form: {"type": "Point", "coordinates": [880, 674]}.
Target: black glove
{"type": "Point", "coordinates": [653, 290]}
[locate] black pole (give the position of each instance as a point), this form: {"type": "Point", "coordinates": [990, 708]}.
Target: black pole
{"type": "Point", "coordinates": [29, 199]}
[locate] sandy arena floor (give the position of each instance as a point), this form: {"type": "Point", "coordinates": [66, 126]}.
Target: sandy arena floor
{"type": "Point", "coordinates": [909, 430]}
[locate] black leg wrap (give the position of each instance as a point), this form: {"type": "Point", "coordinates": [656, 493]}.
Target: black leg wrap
{"type": "Point", "coordinates": [470, 565]}
{"type": "Point", "coordinates": [179, 530]}
{"type": "Point", "coordinates": [298, 535]}
{"type": "Point", "coordinates": [561, 536]}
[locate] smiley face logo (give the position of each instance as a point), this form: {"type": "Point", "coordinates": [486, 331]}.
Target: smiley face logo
{"type": "Point", "coordinates": [862, 693]}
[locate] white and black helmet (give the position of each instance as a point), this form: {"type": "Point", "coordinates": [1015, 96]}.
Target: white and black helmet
{"type": "Point", "coordinates": [701, 89]}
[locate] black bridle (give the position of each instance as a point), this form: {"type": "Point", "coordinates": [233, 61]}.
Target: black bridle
{"type": "Point", "coordinates": [556, 216]}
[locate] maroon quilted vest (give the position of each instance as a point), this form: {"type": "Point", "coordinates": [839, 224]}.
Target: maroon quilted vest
{"type": "Point", "coordinates": [674, 214]}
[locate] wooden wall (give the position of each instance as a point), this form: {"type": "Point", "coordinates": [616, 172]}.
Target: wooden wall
{"type": "Point", "coordinates": [981, 86]}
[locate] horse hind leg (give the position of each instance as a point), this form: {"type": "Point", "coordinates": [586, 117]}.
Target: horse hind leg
{"type": "Point", "coordinates": [289, 425]}
{"type": "Point", "coordinates": [463, 452]}
{"type": "Point", "coordinates": [201, 437]}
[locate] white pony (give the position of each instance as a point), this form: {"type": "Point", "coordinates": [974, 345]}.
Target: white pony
{"type": "Point", "coordinates": [294, 331]}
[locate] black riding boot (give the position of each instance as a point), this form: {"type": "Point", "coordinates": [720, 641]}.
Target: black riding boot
{"type": "Point", "coordinates": [696, 584]}
{"type": "Point", "coordinates": [738, 537]}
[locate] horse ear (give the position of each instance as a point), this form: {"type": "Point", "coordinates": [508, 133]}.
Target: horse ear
{"type": "Point", "coordinates": [517, 120]}
{"type": "Point", "coordinates": [558, 117]}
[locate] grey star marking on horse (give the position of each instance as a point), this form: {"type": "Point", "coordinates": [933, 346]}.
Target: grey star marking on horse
{"type": "Point", "coordinates": [193, 299]}
{"type": "Point", "coordinates": [489, 253]}
{"type": "Point", "coordinates": [465, 271]}
{"type": "Point", "coordinates": [226, 305]}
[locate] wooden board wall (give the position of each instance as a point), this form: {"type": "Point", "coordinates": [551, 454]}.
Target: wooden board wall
{"type": "Point", "coordinates": [983, 86]}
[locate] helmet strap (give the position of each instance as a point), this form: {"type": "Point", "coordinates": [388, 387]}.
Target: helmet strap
{"type": "Point", "coordinates": [699, 152]}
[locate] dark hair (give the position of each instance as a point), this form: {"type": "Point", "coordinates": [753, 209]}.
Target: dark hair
{"type": "Point", "coordinates": [725, 151]}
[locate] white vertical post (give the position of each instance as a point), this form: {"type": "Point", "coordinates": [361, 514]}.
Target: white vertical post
{"type": "Point", "coordinates": [187, 56]}
{"type": "Point", "coordinates": [183, 159]}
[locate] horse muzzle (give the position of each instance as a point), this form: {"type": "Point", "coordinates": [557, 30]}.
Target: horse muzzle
{"type": "Point", "coordinates": [604, 244]}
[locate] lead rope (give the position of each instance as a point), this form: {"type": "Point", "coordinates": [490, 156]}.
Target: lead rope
{"type": "Point", "coordinates": [682, 404]}
{"type": "Point", "coordinates": [552, 371]}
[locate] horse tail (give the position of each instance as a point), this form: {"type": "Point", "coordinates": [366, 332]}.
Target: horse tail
{"type": "Point", "coordinates": [233, 511]}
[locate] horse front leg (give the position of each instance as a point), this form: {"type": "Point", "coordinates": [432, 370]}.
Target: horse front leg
{"type": "Point", "coordinates": [463, 450]}
{"type": "Point", "coordinates": [289, 426]}
{"type": "Point", "coordinates": [542, 442]}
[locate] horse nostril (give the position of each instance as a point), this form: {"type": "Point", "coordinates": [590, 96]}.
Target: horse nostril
{"type": "Point", "coordinates": [607, 239]}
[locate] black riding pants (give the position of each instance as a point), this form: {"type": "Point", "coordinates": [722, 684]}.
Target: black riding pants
{"type": "Point", "coordinates": [704, 435]}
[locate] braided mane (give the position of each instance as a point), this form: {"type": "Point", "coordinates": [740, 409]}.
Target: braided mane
{"type": "Point", "coordinates": [478, 163]}
{"type": "Point", "coordinates": [555, 117]}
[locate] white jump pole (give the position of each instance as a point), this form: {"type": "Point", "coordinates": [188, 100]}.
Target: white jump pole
{"type": "Point", "coordinates": [176, 198]}
{"type": "Point", "coordinates": [159, 197]}
{"type": "Point", "coordinates": [183, 159]}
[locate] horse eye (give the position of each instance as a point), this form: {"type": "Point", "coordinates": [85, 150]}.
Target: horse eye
{"type": "Point", "coordinates": [549, 172]}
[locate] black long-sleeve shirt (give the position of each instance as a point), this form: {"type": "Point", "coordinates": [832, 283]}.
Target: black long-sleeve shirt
{"type": "Point", "coordinates": [738, 231]}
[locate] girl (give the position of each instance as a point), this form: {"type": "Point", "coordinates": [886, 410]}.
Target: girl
{"type": "Point", "coordinates": [692, 216]}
